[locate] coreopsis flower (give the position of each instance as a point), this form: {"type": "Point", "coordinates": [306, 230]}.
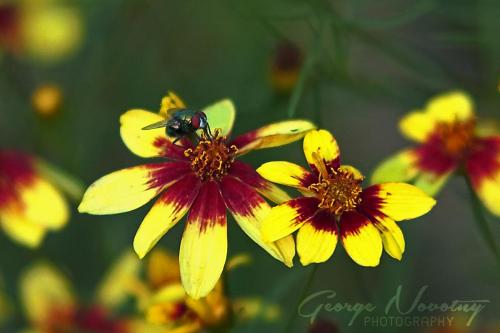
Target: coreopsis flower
{"type": "Point", "coordinates": [46, 99]}
{"type": "Point", "coordinates": [29, 204]}
{"type": "Point", "coordinates": [285, 67]}
{"type": "Point", "coordinates": [449, 141]}
{"type": "Point", "coordinates": [165, 304]}
{"type": "Point", "coordinates": [44, 30]}
{"type": "Point", "coordinates": [203, 178]}
{"type": "Point", "coordinates": [52, 306]}
{"type": "Point", "coordinates": [334, 205]}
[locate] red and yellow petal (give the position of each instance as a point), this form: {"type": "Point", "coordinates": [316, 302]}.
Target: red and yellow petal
{"type": "Point", "coordinates": [483, 169]}
{"type": "Point", "coordinates": [397, 168]}
{"type": "Point", "coordinates": [221, 115]}
{"type": "Point", "coordinates": [399, 201]}
{"type": "Point", "coordinates": [144, 143]}
{"type": "Point", "coordinates": [317, 238]}
{"type": "Point", "coordinates": [273, 135]}
{"type": "Point", "coordinates": [361, 239]}
{"type": "Point", "coordinates": [131, 188]}
{"type": "Point", "coordinates": [321, 145]}
{"type": "Point", "coordinates": [286, 218]}
{"type": "Point", "coordinates": [392, 236]}
{"type": "Point", "coordinates": [286, 173]}
{"type": "Point", "coordinates": [166, 212]}
{"type": "Point", "coordinates": [203, 248]}
{"type": "Point", "coordinates": [249, 210]}
{"type": "Point", "coordinates": [248, 175]}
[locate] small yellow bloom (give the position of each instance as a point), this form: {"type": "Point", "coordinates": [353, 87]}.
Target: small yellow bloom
{"type": "Point", "coordinates": [203, 178]}
{"type": "Point", "coordinates": [47, 99]}
{"type": "Point", "coordinates": [51, 305]}
{"type": "Point", "coordinates": [29, 204]}
{"type": "Point", "coordinates": [449, 139]}
{"type": "Point", "coordinates": [335, 205]}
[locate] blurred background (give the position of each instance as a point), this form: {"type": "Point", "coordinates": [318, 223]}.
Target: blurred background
{"type": "Point", "coordinates": [354, 67]}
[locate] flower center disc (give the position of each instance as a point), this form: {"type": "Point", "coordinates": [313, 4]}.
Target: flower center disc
{"type": "Point", "coordinates": [211, 158]}
{"type": "Point", "coordinates": [339, 192]}
{"type": "Point", "coordinates": [456, 137]}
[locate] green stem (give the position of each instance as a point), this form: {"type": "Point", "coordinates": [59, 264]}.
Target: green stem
{"type": "Point", "coordinates": [305, 289]}
{"type": "Point", "coordinates": [481, 221]}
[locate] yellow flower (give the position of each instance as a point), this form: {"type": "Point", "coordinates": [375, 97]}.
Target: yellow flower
{"type": "Point", "coordinates": [166, 305]}
{"type": "Point", "coordinates": [449, 141]}
{"type": "Point", "coordinates": [335, 205]}
{"type": "Point", "coordinates": [45, 30]}
{"type": "Point", "coordinates": [29, 204]}
{"type": "Point", "coordinates": [204, 179]}
{"type": "Point", "coordinates": [52, 307]}
{"type": "Point", "coordinates": [46, 99]}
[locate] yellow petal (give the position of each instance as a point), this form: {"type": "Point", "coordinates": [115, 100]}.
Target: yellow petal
{"type": "Point", "coordinates": [115, 286]}
{"type": "Point", "coordinates": [166, 212]}
{"type": "Point", "coordinates": [417, 125]}
{"type": "Point", "coordinates": [286, 218]}
{"type": "Point", "coordinates": [285, 173]}
{"type": "Point", "coordinates": [316, 244]}
{"type": "Point", "coordinates": [21, 230]}
{"type": "Point", "coordinates": [392, 236]}
{"type": "Point", "coordinates": [353, 171]}
{"type": "Point", "coordinates": [204, 242]}
{"type": "Point", "coordinates": [273, 135]}
{"type": "Point", "coordinates": [144, 143]}
{"type": "Point", "coordinates": [450, 107]}
{"type": "Point", "coordinates": [221, 116]}
{"type": "Point", "coordinates": [43, 204]}
{"type": "Point", "coordinates": [322, 144]}
{"type": "Point", "coordinates": [123, 190]}
{"type": "Point", "coordinates": [398, 168]}
{"type": "Point", "coordinates": [170, 102]}
{"type": "Point", "coordinates": [44, 289]}
{"type": "Point", "coordinates": [361, 239]}
{"type": "Point", "coordinates": [249, 210]}
{"type": "Point", "coordinates": [399, 201]}
{"type": "Point", "coordinates": [488, 191]}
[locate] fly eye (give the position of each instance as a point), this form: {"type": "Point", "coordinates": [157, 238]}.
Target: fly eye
{"type": "Point", "coordinates": [196, 121]}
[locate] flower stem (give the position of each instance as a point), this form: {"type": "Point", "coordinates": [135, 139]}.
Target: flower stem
{"type": "Point", "coordinates": [305, 289]}
{"type": "Point", "coordinates": [482, 222]}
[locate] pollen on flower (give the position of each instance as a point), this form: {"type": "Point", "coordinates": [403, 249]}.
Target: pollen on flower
{"type": "Point", "coordinates": [338, 190]}
{"type": "Point", "coordinates": [456, 137]}
{"type": "Point", "coordinates": [212, 157]}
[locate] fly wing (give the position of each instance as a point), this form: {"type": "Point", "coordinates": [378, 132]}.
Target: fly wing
{"type": "Point", "coordinates": [160, 124]}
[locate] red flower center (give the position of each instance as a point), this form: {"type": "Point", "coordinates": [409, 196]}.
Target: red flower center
{"type": "Point", "coordinates": [338, 190]}
{"type": "Point", "coordinates": [212, 157]}
{"type": "Point", "coordinates": [455, 138]}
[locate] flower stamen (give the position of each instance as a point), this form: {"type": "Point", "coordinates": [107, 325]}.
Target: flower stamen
{"type": "Point", "coordinates": [339, 190]}
{"type": "Point", "coordinates": [211, 158]}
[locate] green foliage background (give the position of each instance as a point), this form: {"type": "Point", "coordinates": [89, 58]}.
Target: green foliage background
{"type": "Point", "coordinates": [367, 63]}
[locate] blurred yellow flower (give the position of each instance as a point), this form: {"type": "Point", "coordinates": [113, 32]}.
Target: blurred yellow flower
{"type": "Point", "coordinates": [29, 204]}
{"type": "Point", "coordinates": [45, 30]}
{"type": "Point", "coordinates": [449, 140]}
{"type": "Point", "coordinates": [51, 305]}
{"type": "Point", "coordinates": [165, 304]}
{"type": "Point", "coordinates": [335, 205]}
{"type": "Point", "coordinates": [47, 99]}
{"type": "Point", "coordinates": [204, 179]}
